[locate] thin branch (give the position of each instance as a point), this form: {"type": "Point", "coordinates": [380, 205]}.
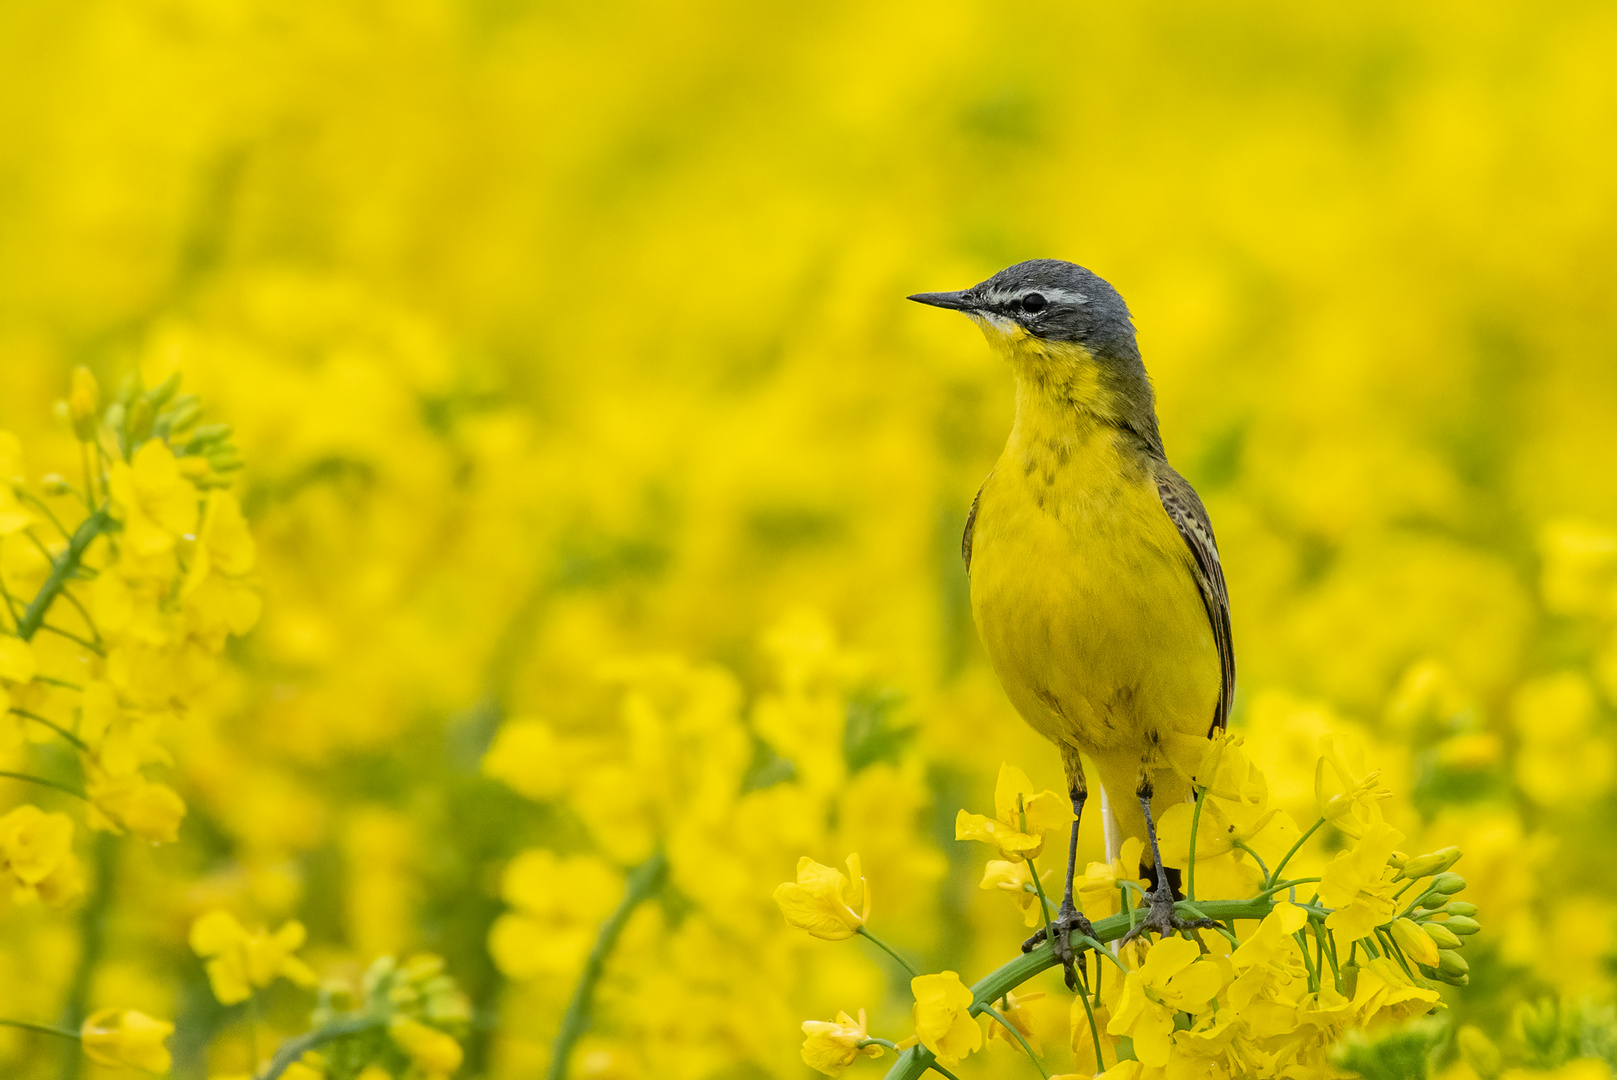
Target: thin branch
{"type": "Point", "coordinates": [61, 568]}
{"type": "Point", "coordinates": [642, 882]}
{"type": "Point", "coordinates": [40, 780]}
{"type": "Point", "coordinates": [54, 726]}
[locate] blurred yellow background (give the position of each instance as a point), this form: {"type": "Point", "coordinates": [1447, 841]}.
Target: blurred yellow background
{"type": "Point", "coordinates": [560, 336]}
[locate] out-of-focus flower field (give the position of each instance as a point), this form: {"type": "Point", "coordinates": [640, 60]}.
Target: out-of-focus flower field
{"type": "Point", "coordinates": [593, 499]}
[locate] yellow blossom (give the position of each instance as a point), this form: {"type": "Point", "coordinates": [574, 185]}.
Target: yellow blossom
{"type": "Point", "coordinates": [153, 500]}
{"type": "Point", "coordinates": [1014, 1008]}
{"type": "Point", "coordinates": [1358, 883]}
{"type": "Point", "coordinates": [526, 756]}
{"type": "Point", "coordinates": [239, 961]}
{"type": "Point", "coordinates": [1236, 820]}
{"type": "Point", "coordinates": [943, 1020]}
{"type": "Point", "coordinates": [1348, 794]}
{"type": "Point", "coordinates": [823, 901]}
{"type": "Point", "coordinates": [1173, 979]}
{"type": "Point", "coordinates": [1021, 818]}
{"type": "Point", "coordinates": [831, 1046]}
{"type": "Point", "coordinates": [83, 398]}
{"type": "Point", "coordinates": [434, 1052]}
{"type": "Point", "coordinates": [126, 1037]}
{"type": "Point", "coordinates": [557, 905]}
{"type": "Point", "coordinates": [36, 851]}
{"type": "Point", "coordinates": [1097, 891]}
{"type": "Point", "coordinates": [149, 810]}
{"type": "Point", "coordinates": [1016, 879]}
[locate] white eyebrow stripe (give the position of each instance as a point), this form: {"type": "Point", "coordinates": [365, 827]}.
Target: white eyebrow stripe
{"type": "Point", "coordinates": [1058, 296]}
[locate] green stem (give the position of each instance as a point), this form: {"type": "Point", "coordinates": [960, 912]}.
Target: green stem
{"type": "Point", "coordinates": [878, 1042]}
{"type": "Point", "coordinates": [1006, 1024]}
{"type": "Point", "coordinates": [884, 947]}
{"type": "Point", "coordinates": [40, 780]}
{"type": "Point", "coordinates": [1301, 840]}
{"type": "Point", "coordinates": [54, 726]}
{"type": "Point", "coordinates": [1242, 845]}
{"type": "Point", "coordinates": [292, 1050]}
{"type": "Point", "coordinates": [643, 880]}
{"type": "Point", "coordinates": [1044, 901]}
{"type": "Point", "coordinates": [92, 943]}
{"type": "Point", "coordinates": [1284, 885]}
{"type": "Point", "coordinates": [43, 1029]}
{"type": "Point", "coordinates": [1195, 822]}
{"type": "Point", "coordinates": [914, 1062]}
{"type": "Point", "coordinates": [1094, 1031]}
{"type": "Point", "coordinates": [61, 569]}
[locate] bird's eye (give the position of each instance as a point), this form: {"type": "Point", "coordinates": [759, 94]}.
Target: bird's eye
{"type": "Point", "coordinates": [1033, 302]}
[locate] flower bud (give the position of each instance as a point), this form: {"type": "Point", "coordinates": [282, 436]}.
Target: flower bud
{"type": "Point", "coordinates": [1460, 907]}
{"type": "Point", "coordinates": [1432, 901]}
{"type": "Point", "coordinates": [1416, 945]}
{"type": "Point", "coordinates": [1463, 925]}
{"type": "Point", "coordinates": [1448, 884]}
{"type": "Point", "coordinates": [1455, 980]}
{"type": "Point", "coordinates": [1397, 860]}
{"type": "Point", "coordinates": [83, 398]}
{"type": "Point", "coordinates": [1441, 935]}
{"type": "Point", "coordinates": [1427, 865]}
{"type": "Point", "coordinates": [55, 484]}
{"type": "Point", "coordinates": [1450, 962]}
{"type": "Point", "coordinates": [1479, 1052]}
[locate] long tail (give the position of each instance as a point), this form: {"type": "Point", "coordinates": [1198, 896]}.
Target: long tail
{"type": "Point", "coordinates": [1109, 826]}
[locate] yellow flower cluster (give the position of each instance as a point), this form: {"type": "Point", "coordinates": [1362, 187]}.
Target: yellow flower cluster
{"type": "Point", "coordinates": [552, 336]}
{"type": "Point", "coordinates": [1275, 1002]}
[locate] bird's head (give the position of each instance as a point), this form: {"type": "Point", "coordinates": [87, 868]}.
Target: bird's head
{"type": "Point", "coordinates": [1046, 299]}
{"type": "Point", "coordinates": [1063, 329]}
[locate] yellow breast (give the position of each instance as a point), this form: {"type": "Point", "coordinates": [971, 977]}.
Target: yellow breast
{"type": "Point", "coordinates": [1084, 593]}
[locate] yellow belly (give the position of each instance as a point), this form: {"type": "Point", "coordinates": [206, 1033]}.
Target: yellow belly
{"type": "Point", "coordinates": [1087, 605]}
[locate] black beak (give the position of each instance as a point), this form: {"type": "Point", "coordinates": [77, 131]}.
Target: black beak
{"type": "Point", "coordinates": [954, 301]}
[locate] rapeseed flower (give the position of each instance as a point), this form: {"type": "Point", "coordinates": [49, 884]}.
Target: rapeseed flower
{"type": "Point", "coordinates": [831, 1046]}
{"type": "Point", "coordinates": [127, 1038]}
{"type": "Point", "coordinates": [1172, 979]}
{"type": "Point", "coordinates": [240, 961]}
{"type": "Point", "coordinates": [943, 1021]}
{"type": "Point", "coordinates": [824, 901]}
{"type": "Point", "coordinates": [1021, 817]}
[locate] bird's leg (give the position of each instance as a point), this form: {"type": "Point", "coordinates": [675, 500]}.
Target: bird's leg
{"type": "Point", "coordinates": [1160, 916]}
{"type": "Point", "coordinates": [1069, 919]}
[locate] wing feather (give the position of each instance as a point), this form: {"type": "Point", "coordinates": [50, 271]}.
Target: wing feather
{"type": "Point", "coordinates": [1189, 516]}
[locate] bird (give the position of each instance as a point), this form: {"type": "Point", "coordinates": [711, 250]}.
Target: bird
{"type": "Point", "coordinates": [1096, 585]}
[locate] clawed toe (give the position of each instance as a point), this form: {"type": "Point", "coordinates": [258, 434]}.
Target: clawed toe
{"type": "Point", "coordinates": [1067, 923]}
{"type": "Point", "coordinates": [1164, 920]}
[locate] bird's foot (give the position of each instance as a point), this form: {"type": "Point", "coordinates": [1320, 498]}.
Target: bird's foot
{"type": "Point", "coordinates": [1162, 918]}
{"type": "Point", "coordinates": [1068, 921]}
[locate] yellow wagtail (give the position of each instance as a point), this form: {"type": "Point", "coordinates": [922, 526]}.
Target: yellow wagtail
{"type": "Point", "coordinates": [1095, 580]}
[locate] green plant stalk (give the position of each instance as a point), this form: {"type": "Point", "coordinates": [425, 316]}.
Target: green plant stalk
{"type": "Point", "coordinates": [43, 1029]}
{"type": "Point", "coordinates": [1195, 823]}
{"type": "Point", "coordinates": [914, 1062]}
{"type": "Point", "coordinates": [643, 880]}
{"type": "Point", "coordinates": [42, 782]}
{"type": "Point", "coordinates": [288, 1053]}
{"type": "Point", "coordinates": [884, 947]}
{"type": "Point", "coordinates": [1280, 866]}
{"type": "Point", "coordinates": [1006, 1024]}
{"type": "Point", "coordinates": [61, 569]}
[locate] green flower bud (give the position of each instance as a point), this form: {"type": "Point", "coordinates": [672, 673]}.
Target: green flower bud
{"type": "Point", "coordinates": [1350, 979]}
{"type": "Point", "coordinates": [1455, 980]}
{"type": "Point", "coordinates": [55, 484]}
{"type": "Point", "coordinates": [83, 398]}
{"type": "Point", "coordinates": [1448, 884]}
{"type": "Point", "coordinates": [1460, 907]}
{"type": "Point", "coordinates": [1480, 1053]}
{"type": "Point", "coordinates": [1441, 935]}
{"type": "Point", "coordinates": [1426, 865]}
{"type": "Point", "coordinates": [1432, 901]}
{"type": "Point", "coordinates": [1450, 962]}
{"type": "Point", "coordinates": [1462, 925]}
